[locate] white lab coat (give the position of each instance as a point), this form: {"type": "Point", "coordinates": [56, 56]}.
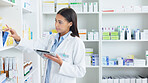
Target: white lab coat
{"type": "Point", "coordinates": [73, 67]}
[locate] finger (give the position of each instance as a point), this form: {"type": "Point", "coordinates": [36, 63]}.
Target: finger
{"type": "Point", "coordinates": [51, 57]}
{"type": "Point", "coordinates": [58, 56]}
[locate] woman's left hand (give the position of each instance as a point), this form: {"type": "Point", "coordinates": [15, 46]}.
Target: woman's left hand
{"type": "Point", "coordinates": [57, 59]}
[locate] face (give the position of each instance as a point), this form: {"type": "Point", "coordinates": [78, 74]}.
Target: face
{"type": "Point", "coordinates": [62, 25]}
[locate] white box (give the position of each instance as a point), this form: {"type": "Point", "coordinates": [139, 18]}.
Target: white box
{"type": "Point", "coordinates": [49, 6]}
{"type": "Point", "coordinates": [133, 80]}
{"type": "Point", "coordinates": [144, 80]}
{"type": "Point", "coordinates": [128, 8]}
{"type": "Point", "coordinates": [76, 6]}
{"type": "Point", "coordinates": [116, 80]}
{"type": "Point", "coordinates": [89, 51]}
{"type": "Point", "coordinates": [127, 80]}
{"type": "Point", "coordinates": [138, 80]}
{"type": "Point", "coordinates": [85, 7]}
{"type": "Point", "coordinates": [82, 34]}
{"type": "Point", "coordinates": [88, 60]}
{"type": "Point", "coordinates": [10, 63]}
{"type": "Point", "coordinates": [95, 7]}
{"type": "Point", "coordinates": [96, 36]}
{"type": "Point", "coordinates": [6, 63]}
{"type": "Point", "coordinates": [90, 36]}
{"type": "Point", "coordinates": [14, 63]}
{"type": "Point", "coordinates": [90, 6]}
{"type": "Point", "coordinates": [61, 6]}
{"type": "Point", "coordinates": [128, 34]}
{"type": "Point", "coordinates": [144, 8]}
{"type": "Point", "coordinates": [1, 64]}
{"type": "Point", "coordinates": [139, 62]}
{"type": "Point", "coordinates": [142, 36]}
{"type": "Point", "coordinates": [137, 9]}
{"type": "Point", "coordinates": [104, 80]}
{"type": "Point", "coordinates": [122, 80]}
{"type": "Point", "coordinates": [110, 81]}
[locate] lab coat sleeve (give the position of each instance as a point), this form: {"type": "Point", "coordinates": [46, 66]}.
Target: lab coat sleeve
{"type": "Point", "coordinates": [78, 68]}
{"type": "Point", "coordinates": [28, 46]}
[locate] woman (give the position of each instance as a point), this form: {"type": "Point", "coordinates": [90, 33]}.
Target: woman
{"type": "Point", "coordinates": [69, 62]}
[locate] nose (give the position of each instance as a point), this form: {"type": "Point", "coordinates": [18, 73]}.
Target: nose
{"type": "Point", "coordinates": [56, 24]}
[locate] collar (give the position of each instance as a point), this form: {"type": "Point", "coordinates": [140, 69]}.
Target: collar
{"type": "Point", "coordinates": [62, 37]}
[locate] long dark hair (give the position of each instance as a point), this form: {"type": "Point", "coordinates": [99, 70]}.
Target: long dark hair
{"type": "Point", "coordinates": [70, 16]}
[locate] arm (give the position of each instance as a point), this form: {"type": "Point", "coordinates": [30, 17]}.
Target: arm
{"type": "Point", "coordinates": [26, 45]}
{"type": "Point", "coordinates": [77, 69]}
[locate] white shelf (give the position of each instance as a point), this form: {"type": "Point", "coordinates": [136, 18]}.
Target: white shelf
{"type": "Point", "coordinates": [30, 73]}
{"type": "Point", "coordinates": [124, 12]}
{"type": "Point", "coordinates": [92, 66]}
{"type": "Point", "coordinates": [77, 13]}
{"type": "Point", "coordinates": [5, 48]}
{"type": "Point", "coordinates": [124, 40]}
{"type": "Point", "coordinates": [6, 3]}
{"type": "Point", "coordinates": [90, 40]}
{"type": "Point", "coordinates": [26, 10]}
{"type": "Point", "coordinates": [125, 66]}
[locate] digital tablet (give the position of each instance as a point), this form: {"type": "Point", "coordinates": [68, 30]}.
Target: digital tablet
{"type": "Point", "coordinates": [44, 51]}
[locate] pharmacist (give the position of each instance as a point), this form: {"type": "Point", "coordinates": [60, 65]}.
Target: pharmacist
{"type": "Point", "coordinates": [69, 62]}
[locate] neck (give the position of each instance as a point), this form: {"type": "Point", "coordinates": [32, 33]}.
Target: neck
{"type": "Point", "coordinates": [61, 34]}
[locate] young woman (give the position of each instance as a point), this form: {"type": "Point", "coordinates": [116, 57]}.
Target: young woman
{"type": "Point", "coordinates": [69, 62]}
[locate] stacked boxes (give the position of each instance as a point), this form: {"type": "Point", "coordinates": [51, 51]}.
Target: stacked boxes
{"type": "Point", "coordinates": [82, 34]}
{"type": "Point", "coordinates": [48, 6]}
{"type": "Point", "coordinates": [95, 60]}
{"type": "Point", "coordinates": [62, 4]}
{"type": "Point", "coordinates": [89, 52]}
{"type": "Point", "coordinates": [8, 68]}
{"type": "Point", "coordinates": [105, 60]}
{"type": "Point", "coordinates": [76, 5]}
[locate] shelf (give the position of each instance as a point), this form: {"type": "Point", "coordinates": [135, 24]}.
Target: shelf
{"type": "Point", "coordinates": [6, 3]}
{"type": "Point", "coordinates": [26, 10]}
{"type": "Point", "coordinates": [92, 66]}
{"type": "Point", "coordinates": [5, 48]}
{"type": "Point", "coordinates": [125, 66]}
{"type": "Point", "coordinates": [124, 12]}
{"type": "Point", "coordinates": [124, 40]}
{"type": "Point", "coordinates": [30, 73]}
{"type": "Point", "coordinates": [77, 13]}
{"type": "Point", "coordinates": [90, 40]}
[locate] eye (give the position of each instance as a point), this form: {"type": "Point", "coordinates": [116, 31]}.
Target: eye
{"type": "Point", "coordinates": [60, 22]}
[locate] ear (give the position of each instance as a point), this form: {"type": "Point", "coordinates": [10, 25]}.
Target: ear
{"type": "Point", "coordinates": [70, 24]}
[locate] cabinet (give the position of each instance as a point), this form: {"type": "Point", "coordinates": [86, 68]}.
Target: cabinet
{"type": "Point", "coordinates": [121, 13]}
{"type": "Point", "coordinates": [15, 15]}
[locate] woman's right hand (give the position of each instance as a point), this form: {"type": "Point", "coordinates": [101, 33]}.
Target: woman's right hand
{"type": "Point", "coordinates": [13, 34]}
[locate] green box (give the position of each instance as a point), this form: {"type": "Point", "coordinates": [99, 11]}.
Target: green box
{"type": "Point", "coordinates": [13, 1]}
{"type": "Point", "coordinates": [114, 33]}
{"type": "Point", "coordinates": [106, 37]}
{"type": "Point", "coordinates": [105, 33]}
{"type": "Point", "coordinates": [114, 37]}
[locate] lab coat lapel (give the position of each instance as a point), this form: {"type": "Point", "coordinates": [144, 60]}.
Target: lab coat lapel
{"type": "Point", "coordinates": [61, 46]}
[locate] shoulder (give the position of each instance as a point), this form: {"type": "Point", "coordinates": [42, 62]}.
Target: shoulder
{"type": "Point", "coordinates": [76, 40]}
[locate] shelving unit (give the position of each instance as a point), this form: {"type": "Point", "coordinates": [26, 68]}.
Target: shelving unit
{"type": "Point", "coordinates": [14, 15]}
{"type": "Point", "coordinates": [6, 3]}
{"type": "Point", "coordinates": [5, 48]}
{"type": "Point", "coordinates": [30, 73]}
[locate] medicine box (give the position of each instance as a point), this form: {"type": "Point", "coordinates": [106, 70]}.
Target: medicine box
{"type": "Point", "coordinates": [85, 7]}
{"type": "Point", "coordinates": [114, 33]}
{"type": "Point", "coordinates": [49, 6]}
{"type": "Point", "coordinates": [105, 34]}
{"type": "Point", "coordinates": [114, 37]}
{"type": "Point", "coordinates": [106, 37]}
{"type": "Point", "coordinates": [61, 5]}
